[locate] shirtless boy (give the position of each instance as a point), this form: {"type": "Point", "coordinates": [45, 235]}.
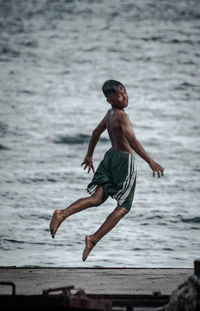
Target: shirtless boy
{"type": "Point", "coordinates": [116, 174]}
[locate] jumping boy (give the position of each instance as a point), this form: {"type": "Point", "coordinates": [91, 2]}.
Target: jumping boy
{"type": "Point", "coordinates": [116, 174]}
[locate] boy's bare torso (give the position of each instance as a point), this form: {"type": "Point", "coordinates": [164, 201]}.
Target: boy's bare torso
{"type": "Point", "coordinates": [113, 120]}
{"type": "Point", "coordinates": [123, 139]}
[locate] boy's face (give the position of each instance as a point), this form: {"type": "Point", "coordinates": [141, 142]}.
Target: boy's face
{"type": "Point", "coordinates": [119, 99]}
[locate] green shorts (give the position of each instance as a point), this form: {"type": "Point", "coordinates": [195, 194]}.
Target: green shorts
{"type": "Point", "coordinates": [116, 173]}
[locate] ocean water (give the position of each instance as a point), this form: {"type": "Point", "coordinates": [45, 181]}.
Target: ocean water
{"type": "Point", "coordinates": [54, 58]}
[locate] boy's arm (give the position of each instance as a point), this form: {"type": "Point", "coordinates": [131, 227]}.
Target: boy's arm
{"type": "Point", "coordinates": [137, 147]}
{"type": "Point", "coordinates": [92, 144]}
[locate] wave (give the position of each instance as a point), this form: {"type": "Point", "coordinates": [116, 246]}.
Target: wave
{"type": "Point", "coordinates": [185, 85]}
{"type": "Point", "coordinates": [3, 129]}
{"type": "Point", "coordinates": [36, 180]}
{"type": "Point", "coordinates": [76, 140]}
{"type": "Point", "coordinates": [3, 148]}
{"type": "Point", "coordinates": [27, 92]}
{"type": "Point", "coordinates": [9, 51]}
{"type": "Point", "coordinates": [193, 220]}
{"type": "Point", "coordinates": [179, 41]}
{"type": "Point", "coordinates": [14, 241]}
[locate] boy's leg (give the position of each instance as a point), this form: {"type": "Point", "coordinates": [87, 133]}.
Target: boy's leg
{"type": "Point", "coordinates": [110, 222]}
{"type": "Point", "coordinates": [81, 204]}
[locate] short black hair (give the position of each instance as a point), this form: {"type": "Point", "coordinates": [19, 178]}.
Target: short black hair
{"type": "Point", "coordinates": [110, 86]}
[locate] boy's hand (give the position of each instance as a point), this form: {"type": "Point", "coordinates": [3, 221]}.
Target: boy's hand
{"type": "Point", "coordinates": [156, 168]}
{"type": "Point", "coordinates": [88, 163]}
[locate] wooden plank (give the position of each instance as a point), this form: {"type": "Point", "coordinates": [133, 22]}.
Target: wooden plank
{"type": "Point", "coordinates": [128, 281]}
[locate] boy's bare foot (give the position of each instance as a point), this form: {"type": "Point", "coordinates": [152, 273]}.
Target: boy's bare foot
{"type": "Point", "coordinates": [90, 243]}
{"type": "Point", "coordinates": [55, 222]}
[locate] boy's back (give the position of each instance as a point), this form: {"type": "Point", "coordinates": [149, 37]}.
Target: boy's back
{"type": "Point", "coordinates": [115, 120]}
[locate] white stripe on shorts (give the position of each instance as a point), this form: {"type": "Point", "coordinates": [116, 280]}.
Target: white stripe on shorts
{"type": "Point", "coordinates": [126, 194]}
{"type": "Point", "coordinates": [122, 194]}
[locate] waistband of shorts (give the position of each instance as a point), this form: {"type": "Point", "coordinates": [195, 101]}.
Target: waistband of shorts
{"type": "Point", "coordinates": [122, 154]}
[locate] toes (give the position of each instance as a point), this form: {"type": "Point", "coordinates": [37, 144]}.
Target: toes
{"type": "Point", "coordinates": [89, 246]}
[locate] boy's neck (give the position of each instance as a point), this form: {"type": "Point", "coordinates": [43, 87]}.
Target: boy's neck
{"type": "Point", "coordinates": [117, 108]}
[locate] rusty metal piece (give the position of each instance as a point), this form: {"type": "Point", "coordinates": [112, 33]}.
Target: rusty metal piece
{"type": "Point", "coordinates": [130, 301]}
{"type": "Point", "coordinates": [197, 267]}
{"type": "Point", "coordinates": [79, 300]}
{"type": "Point", "coordinates": [53, 302]}
{"type": "Point", "coordinates": [157, 293]}
{"type": "Point", "coordinates": [80, 292]}
{"type": "Point", "coordinates": [60, 298]}
{"type": "Point", "coordinates": [66, 290]}
{"type": "Point", "coordinates": [10, 284]}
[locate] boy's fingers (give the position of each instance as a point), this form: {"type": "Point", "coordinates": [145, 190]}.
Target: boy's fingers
{"type": "Point", "coordinates": [85, 166]}
{"type": "Point", "coordinates": [162, 170]}
{"type": "Point", "coordinates": [90, 167]}
{"type": "Point", "coordinates": [159, 170]}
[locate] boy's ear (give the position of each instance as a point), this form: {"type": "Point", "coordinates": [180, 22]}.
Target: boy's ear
{"type": "Point", "coordinates": [109, 100]}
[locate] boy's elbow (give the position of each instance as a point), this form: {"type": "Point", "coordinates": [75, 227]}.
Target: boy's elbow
{"type": "Point", "coordinates": [134, 143]}
{"type": "Point", "coordinates": [95, 133]}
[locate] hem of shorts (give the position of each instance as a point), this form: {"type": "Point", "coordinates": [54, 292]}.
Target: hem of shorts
{"type": "Point", "coordinates": [91, 190]}
{"type": "Point", "coordinates": [93, 187]}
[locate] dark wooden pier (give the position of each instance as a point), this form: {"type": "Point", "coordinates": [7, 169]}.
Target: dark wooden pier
{"type": "Point", "coordinates": [102, 288]}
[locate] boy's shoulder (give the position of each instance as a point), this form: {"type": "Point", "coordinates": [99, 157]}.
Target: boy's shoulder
{"type": "Point", "coordinates": [122, 115]}
{"type": "Point", "coordinates": [119, 116]}
{"type": "Point", "coordinates": [117, 112]}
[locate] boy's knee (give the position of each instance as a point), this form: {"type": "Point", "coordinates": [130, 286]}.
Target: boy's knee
{"type": "Point", "coordinates": [125, 211]}
{"type": "Point", "coordinates": [96, 200]}
{"type": "Point", "coordinates": [122, 210]}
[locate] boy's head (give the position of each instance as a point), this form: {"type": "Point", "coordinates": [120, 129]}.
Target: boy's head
{"type": "Point", "coordinates": [110, 86]}
{"type": "Point", "coordinates": [115, 93]}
